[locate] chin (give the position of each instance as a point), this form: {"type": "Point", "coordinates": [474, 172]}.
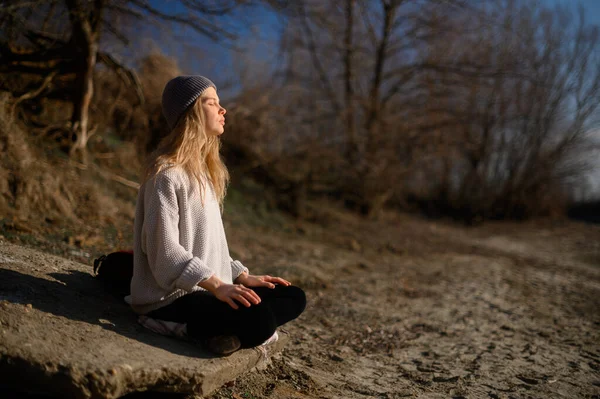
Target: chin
{"type": "Point", "coordinates": [216, 132]}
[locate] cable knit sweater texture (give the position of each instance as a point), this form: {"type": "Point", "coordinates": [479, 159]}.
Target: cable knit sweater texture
{"type": "Point", "coordinates": [179, 241]}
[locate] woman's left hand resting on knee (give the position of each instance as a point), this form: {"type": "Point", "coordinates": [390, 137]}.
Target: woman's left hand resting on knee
{"type": "Point", "coordinates": [249, 280]}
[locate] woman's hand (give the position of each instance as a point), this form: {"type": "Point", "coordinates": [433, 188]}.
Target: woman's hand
{"type": "Point", "coordinates": [249, 280]}
{"type": "Point", "coordinates": [236, 292]}
{"type": "Point", "coordinates": [230, 292]}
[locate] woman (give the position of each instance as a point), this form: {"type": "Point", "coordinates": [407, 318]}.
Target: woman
{"type": "Point", "coordinates": [182, 269]}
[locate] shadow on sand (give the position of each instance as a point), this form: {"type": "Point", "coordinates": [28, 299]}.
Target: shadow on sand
{"type": "Point", "coordinates": [80, 297]}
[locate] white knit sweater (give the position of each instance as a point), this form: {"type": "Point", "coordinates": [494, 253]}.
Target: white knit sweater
{"type": "Point", "coordinates": [178, 241]}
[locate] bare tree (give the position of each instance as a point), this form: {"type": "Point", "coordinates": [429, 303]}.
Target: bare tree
{"type": "Point", "coordinates": [58, 39]}
{"type": "Point", "coordinates": [356, 58]}
{"type": "Point", "coordinates": [482, 108]}
{"type": "Point", "coordinates": [517, 98]}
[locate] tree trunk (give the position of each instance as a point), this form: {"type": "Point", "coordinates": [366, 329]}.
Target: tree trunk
{"type": "Point", "coordinates": [352, 151]}
{"type": "Point", "coordinates": [374, 102]}
{"type": "Point", "coordinates": [84, 39]}
{"type": "Point", "coordinates": [373, 198]}
{"type": "Point", "coordinates": [81, 103]}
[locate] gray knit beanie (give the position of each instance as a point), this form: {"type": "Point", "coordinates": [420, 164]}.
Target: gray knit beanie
{"type": "Point", "coordinates": [180, 93]}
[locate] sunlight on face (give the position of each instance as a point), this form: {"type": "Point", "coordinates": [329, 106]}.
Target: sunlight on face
{"type": "Point", "coordinates": [214, 112]}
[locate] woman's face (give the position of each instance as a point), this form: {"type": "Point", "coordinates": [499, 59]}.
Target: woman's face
{"type": "Point", "coordinates": [214, 113]}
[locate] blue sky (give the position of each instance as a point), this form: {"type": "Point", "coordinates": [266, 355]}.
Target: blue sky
{"type": "Point", "coordinates": [199, 55]}
{"type": "Point", "coordinates": [592, 16]}
{"type": "Point", "coordinates": [592, 7]}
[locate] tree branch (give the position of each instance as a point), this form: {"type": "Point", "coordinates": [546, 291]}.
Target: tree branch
{"type": "Point", "coordinates": [128, 76]}
{"type": "Point", "coordinates": [202, 26]}
{"type": "Point", "coordinates": [34, 93]}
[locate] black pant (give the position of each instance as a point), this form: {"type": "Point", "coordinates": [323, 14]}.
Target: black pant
{"type": "Point", "coordinates": [206, 316]}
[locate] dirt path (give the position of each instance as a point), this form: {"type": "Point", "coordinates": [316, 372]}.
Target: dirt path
{"type": "Point", "coordinates": [409, 308]}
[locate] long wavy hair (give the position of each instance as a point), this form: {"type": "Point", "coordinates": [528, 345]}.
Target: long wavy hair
{"type": "Point", "coordinates": [188, 146]}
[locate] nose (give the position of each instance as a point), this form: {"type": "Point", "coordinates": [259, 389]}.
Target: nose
{"type": "Point", "coordinates": [222, 111]}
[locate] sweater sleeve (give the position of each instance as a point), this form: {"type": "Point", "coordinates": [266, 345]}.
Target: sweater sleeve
{"type": "Point", "coordinates": [172, 265]}
{"type": "Point", "coordinates": [237, 268]}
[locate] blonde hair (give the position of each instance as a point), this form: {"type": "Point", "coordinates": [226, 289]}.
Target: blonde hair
{"type": "Point", "coordinates": [188, 146]}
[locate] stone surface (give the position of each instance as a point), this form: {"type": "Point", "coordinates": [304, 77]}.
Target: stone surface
{"type": "Point", "coordinates": [61, 333]}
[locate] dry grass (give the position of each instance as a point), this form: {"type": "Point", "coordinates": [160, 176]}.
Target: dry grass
{"type": "Point", "coordinates": [50, 201]}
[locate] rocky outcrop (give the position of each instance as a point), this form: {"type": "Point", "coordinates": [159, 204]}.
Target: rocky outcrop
{"type": "Point", "coordinates": [61, 333]}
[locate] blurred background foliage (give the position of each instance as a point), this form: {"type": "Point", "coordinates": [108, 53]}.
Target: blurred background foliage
{"type": "Point", "coordinates": [454, 108]}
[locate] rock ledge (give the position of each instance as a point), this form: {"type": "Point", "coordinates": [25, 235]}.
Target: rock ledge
{"type": "Point", "coordinates": [62, 334]}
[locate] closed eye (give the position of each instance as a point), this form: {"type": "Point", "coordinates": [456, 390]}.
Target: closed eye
{"type": "Point", "coordinates": [212, 101]}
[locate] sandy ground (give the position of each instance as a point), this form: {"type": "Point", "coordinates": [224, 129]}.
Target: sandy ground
{"type": "Point", "coordinates": [403, 307]}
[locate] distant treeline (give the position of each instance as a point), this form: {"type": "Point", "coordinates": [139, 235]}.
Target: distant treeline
{"type": "Point", "coordinates": [477, 110]}
{"type": "Point", "coordinates": [585, 211]}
